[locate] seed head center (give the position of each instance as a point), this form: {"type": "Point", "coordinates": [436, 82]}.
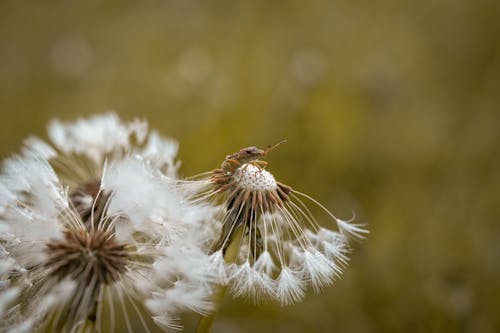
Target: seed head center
{"type": "Point", "coordinates": [87, 256]}
{"type": "Point", "coordinates": [253, 178]}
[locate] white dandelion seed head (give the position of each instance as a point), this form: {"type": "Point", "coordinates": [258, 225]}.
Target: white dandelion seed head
{"type": "Point", "coordinates": [95, 219]}
{"type": "Point", "coordinates": [278, 247]}
{"type": "Point", "coordinates": [252, 178]}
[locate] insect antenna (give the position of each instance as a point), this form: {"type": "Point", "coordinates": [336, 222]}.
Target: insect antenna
{"type": "Point", "coordinates": [270, 148]}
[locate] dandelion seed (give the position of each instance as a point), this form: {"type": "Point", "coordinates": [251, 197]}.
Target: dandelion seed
{"type": "Point", "coordinates": [290, 289]}
{"type": "Point", "coordinates": [281, 247]}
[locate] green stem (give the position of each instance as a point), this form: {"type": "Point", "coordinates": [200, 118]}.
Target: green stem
{"type": "Point", "coordinates": [205, 324]}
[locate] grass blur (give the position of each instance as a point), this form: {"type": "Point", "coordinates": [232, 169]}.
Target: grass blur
{"type": "Point", "coordinates": [390, 108]}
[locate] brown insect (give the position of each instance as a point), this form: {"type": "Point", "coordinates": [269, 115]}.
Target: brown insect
{"type": "Point", "coordinates": [248, 155]}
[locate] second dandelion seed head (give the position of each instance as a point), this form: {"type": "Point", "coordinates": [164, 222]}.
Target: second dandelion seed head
{"type": "Point", "coordinates": [271, 246]}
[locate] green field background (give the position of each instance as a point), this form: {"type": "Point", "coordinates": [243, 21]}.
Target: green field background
{"type": "Point", "coordinates": [390, 108]}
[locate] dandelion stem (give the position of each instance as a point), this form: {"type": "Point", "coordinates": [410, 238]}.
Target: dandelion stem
{"type": "Point", "coordinates": [206, 322]}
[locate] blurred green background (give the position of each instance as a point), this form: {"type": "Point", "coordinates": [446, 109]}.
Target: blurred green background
{"type": "Point", "coordinates": [391, 109]}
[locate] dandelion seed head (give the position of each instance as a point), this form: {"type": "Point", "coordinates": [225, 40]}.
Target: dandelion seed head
{"type": "Point", "coordinates": [282, 249]}
{"type": "Point", "coordinates": [98, 209]}
{"type": "Point", "coordinates": [252, 178]}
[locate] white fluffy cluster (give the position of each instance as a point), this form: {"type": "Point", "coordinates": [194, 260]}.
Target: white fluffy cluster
{"type": "Point", "coordinates": [164, 233]}
{"type": "Point", "coordinates": [290, 259]}
{"type": "Point", "coordinates": [252, 178]}
{"type": "Point", "coordinates": [282, 249]}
